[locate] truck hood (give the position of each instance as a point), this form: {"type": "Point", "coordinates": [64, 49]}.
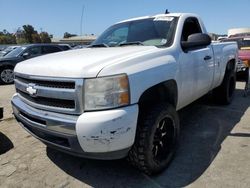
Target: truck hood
{"type": "Point", "coordinates": [82, 63]}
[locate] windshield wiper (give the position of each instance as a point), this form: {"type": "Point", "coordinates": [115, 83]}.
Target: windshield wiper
{"type": "Point", "coordinates": [98, 45]}
{"type": "Point", "coordinates": [131, 43]}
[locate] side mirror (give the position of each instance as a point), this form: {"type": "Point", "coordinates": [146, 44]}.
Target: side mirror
{"type": "Point", "coordinates": [26, 55]}
{"type": "Point", "coordinates": [196, 40]}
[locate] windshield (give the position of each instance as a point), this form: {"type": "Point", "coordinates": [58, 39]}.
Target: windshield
{"type": "Point", "coordinates": [242, 42]}
{"type": "Point", "coordinates": [150, 32]}
{"type": "Point", "coordinates": [8, 49]}
{"type": "Point", "coordinates": [15, 52]}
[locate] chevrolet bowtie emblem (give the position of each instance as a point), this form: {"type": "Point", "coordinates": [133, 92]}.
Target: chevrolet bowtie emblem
{"type": "Point", "coordinates": [31, 90]}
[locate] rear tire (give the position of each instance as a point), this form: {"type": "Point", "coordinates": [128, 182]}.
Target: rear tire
{"type": "Point", "coordinates": [6, 75]}
{"type": "Point", "coordinates": [225, 92]}
{"type": "Point", "coordinates": [156, 139]}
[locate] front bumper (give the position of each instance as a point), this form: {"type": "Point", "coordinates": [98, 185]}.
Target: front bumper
{"type": "Point", "coordinates": [97, 135]}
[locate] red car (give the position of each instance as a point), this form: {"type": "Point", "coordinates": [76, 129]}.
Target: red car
{"type": "Point", "coordinates": [244, 51]}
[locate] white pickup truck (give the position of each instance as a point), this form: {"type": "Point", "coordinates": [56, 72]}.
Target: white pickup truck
{"type": "Point", "coordinates": [120, 96]}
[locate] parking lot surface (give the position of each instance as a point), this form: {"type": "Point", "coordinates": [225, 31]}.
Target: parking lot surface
{"type": "Point", "coordinates": [214, 152]}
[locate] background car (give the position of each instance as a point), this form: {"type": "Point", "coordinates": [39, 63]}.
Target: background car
{"type": "Point", "coordinates": [244, 53]}
{"type": "Point", "coordinates": [7, 50]}
{"type": "Point", "coordinates": [65, 46]}
{"type": "Point", "coordinates": [79, 47]}
{"type": "Point", "coordinates": [9, 61]}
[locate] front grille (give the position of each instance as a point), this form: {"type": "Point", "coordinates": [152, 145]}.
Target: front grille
{"type": "Point", "coordinates": [53, 94]}
{"type": "Point", "coordinates": [48, 101]}
{"type": "Point", "coordinates": [48, 83]}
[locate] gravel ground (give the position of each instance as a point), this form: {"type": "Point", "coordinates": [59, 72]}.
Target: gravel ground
{"type": "Point", "coordinates": [214, 152]}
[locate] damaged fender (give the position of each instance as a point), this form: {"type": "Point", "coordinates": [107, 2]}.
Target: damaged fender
{"type": "Point", "coordinates": [106, 131]}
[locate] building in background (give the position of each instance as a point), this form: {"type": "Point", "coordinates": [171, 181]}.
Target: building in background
{"type": "Point", "coordinates": [238, 31]}
{"type": "Point", "coordinates": [76, 40]}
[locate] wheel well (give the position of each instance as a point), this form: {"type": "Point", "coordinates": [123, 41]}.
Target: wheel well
{"type": "Point", "coordinates": [165, 92]}
{"type": "Point", "coordinates": [6, 66]}
{"type": "Point", "coordinates": [231, 65]}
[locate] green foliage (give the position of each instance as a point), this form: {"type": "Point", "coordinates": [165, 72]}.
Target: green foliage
{"type": "Point", "coordinates": [36, 38]}
{"type": "Point", "coordinates": [28, 32]}
{"type": "Point", "coordinates": [7, 38]}
{"type": "Point", "coordinates": [21, 41]}
{"type": "Point", "coordinates": [24, 35]}
{"type": "Point", "coordinates": [45, 37]}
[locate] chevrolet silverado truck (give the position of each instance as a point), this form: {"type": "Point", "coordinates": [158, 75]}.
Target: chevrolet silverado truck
{"type": "Point", "coordinates": [120, 96]}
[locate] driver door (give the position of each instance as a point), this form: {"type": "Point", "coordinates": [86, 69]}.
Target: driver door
{"type": "Point", "coordinates": [196, 67]}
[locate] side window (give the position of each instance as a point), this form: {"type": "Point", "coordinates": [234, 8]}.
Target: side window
{"type": "Point", "coordinates": [191, 26]}
{"type": "Point", "coordinates": [34, 51]}
{"type": "Point", "coordinates": [50, 49]}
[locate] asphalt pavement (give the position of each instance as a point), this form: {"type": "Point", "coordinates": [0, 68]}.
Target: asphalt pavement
{"type": "Point", "coordinates": [214, 152]}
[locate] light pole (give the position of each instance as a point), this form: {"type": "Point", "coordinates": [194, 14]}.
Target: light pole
{"type": "Point", "coordinates": [83, 7]}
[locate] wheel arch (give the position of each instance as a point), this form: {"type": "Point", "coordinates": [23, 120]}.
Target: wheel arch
{"type": "Point", "coordinates": [6, 65]}
{"type": "Point", "coordinates": [166, 91]}
{"type": "Point", "coordinates": [231, 65]}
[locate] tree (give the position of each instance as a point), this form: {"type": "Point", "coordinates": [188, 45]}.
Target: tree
{"type": "Point", "coordinates": [36, 38]}
{"type": "Point", "coordinates": [68, 35]}
{"type": "Point", "coordinates": [24, 35]}
{"type": "Point", "coordinates": [28, 32]}
{"type": "Point", "coordinates": [7, 38]}
{"type": "Point", "coordinates": [45, 37]}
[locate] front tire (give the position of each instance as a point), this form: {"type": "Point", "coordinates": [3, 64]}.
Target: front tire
{"type": "Point", "coordinates": [156, 139]}
{"type": "Point", "coordinates": [6, 75]}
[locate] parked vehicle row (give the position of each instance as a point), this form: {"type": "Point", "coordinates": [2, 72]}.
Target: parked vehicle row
{"type": "Point", "coordinates": [20, 53]}
{"type": "Point", "coordinates": [244, 53]}
{"type": "Point", "coordinates": [120, 96]}
{"type": "Point", "coordinates": [7, 50]}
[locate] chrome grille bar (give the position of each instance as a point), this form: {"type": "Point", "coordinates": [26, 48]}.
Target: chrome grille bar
{"type": "Point", "coordinates": [64, 95]}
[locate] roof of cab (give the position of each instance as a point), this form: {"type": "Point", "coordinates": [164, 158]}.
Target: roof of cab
{"type": "Point", "coordinates": [161, 15]}
{"type": "Point", "coordinates": [155, 16]}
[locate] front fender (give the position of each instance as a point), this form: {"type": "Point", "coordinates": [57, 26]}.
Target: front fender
{"type": "Point", "coordinates": [145, 72]}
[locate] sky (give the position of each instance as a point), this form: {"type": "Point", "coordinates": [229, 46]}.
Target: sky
{"type": "Point", "coordinates": [59, 16]}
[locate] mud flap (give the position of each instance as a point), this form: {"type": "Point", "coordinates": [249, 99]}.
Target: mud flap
{"type": "Point", "coordinates": [247, 87]}
{"type": "Point", "coordinates": [1, 112]}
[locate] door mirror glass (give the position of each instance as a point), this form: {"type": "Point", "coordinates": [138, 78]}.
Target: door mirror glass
{"type": "Point", "coordinates": [26, 55]}
{"type": "Point", "coordinates": [197, 40]}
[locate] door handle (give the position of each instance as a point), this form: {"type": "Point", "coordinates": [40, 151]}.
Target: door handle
{"type": "Point", "coordinates": [207, 57]}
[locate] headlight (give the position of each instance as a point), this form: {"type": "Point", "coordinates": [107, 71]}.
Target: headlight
{"type": "Point", "coordinates": [106, 92]}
